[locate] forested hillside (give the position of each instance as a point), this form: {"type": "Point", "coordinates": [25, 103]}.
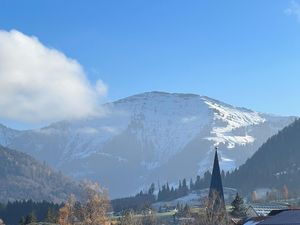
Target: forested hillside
{"type": "Point", "coordinates": [275, 164]}
{"type": "Point", "coordinates": [19, 211]}
{"type": "Point", "coordinates": [23, 177]}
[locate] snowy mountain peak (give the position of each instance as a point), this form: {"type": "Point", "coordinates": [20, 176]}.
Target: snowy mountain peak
{"type": "Point", "coordinates": [149, 135]}
{"type": "Point", "coordinates": [227, 119]}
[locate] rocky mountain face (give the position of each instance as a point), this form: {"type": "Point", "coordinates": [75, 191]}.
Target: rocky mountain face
{"type": "Point", "coordinates": [150, 137]}
{"type": "Point", "coordinates": [23, 178]}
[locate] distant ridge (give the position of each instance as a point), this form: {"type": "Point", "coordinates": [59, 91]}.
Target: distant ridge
{"type": "Point", "coordinates": [24, 178]}
{"type": "Point", "coordinates": [147, 136]}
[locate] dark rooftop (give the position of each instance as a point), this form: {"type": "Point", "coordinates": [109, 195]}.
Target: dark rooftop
{"type": "Point", "coordinates": [290, 217]}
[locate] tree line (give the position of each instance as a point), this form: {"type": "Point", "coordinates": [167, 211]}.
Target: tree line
{"type": "Point", "coordinates": [91, 210]}
{"type": "Point", "coordinates": [27, 211]}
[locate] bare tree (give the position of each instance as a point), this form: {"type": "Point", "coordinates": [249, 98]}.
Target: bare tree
{"type": "Point", "coordinates": [254, 196]}
{"type": "Point", "coordinates": [93, 211]}
{"type": "Point", "coordinates": [96, 207]}
{"type": "Point", "coordinates": [67, 214]}
{"type": "Point", "coordinates": [129, 218]}
{"type": "Point", "coordinates": [214, 211]}
{"type": "Point", "coordinates": [149, 218]}
{"type": "Point", "coordinates": [285, 192]}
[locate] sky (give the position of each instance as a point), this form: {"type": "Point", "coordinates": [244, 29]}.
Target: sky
{"type": "Point", "coordinates": [245, 53]}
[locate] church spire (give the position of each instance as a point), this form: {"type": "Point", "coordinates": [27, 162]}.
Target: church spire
{"type": "Point", "coordinates": [216, 180]}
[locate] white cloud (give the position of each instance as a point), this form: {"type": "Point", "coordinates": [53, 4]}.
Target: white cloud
{"type": "Point", "coordinates": [41, 84]}
{"type": "Point", "coordinates": [293, 10]}
{"type": "Point", "coordinates": [101, 88]}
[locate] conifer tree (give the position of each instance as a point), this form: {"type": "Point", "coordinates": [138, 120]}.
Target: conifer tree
{"type": "Point", "coordinates": [168, 188]}
{"type": "Point", "coordinates": [50, 217]}
{"type": "Point", "coordinates": [31, 218]}
{"type": "Point", "coordinates": [238, 208]}
{"type": "Point", "coordinates": [191, 184]}
{"type": "Point", "coordinates": [185, 188]}
{"type": "Point", "coordinates": [151, 189]}
{"type": "Point", "coordinates": [197, 183]}
{"type": "Point", "coordinates": [22, 221]}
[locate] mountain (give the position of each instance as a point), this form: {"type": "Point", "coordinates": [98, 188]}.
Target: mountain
{"type": "Point", "coordinates": [22, 177]}
{"type": "Point", "coordinates": [149, 137]}
{"type": "Point", "coordinates": [275, 164]}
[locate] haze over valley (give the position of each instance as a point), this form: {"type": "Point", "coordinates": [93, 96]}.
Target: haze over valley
{"type": "Point", "coordinates": [148, 136]}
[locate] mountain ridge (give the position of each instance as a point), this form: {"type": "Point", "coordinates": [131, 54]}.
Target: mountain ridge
{"type": "Point", "coordinates": [275, 164]}
{"type": "Point", "coordinates": [147, 136]}
{"type": "Point", "coordinates": [24, 178]}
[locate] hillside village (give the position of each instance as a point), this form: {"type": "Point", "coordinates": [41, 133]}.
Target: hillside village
{"type": "Point", "coordinates": [213, 206]}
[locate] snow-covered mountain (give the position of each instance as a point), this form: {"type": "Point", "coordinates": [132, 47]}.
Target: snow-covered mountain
{"type": "Point", "coordinates": [147, 138]}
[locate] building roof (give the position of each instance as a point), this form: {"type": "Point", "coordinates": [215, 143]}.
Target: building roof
{"type": "Point", "coordinates": [251, 222]}
{"type": "Point", "coordinates": [251, 212]}
{"type": "Point", "coordinates": [290, 217]}
{"type": "Point", "coordinates": [254, 220]}
{"type": "Point", "coordinates": [265, 209]}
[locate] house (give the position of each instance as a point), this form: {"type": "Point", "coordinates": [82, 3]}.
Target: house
{"type": "Point", "coordinates": [251, 212]}
{"type": "Point", "coordinates": [288, 217]}
{"type": "Point", "coordinates": [255, 210]}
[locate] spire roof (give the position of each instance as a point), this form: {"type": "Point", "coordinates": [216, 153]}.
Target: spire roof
{"type": "Point", "coordinates": [216, 180]}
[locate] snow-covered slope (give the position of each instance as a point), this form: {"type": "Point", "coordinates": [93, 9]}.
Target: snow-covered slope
{"type": "Point", "coordinates": [149, 137]}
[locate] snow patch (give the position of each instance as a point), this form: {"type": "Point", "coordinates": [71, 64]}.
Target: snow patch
{"type": "Point", "coordinates": [227, 119]}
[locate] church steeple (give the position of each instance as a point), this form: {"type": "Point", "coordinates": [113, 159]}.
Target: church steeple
{"type": "Point", "coordinates": [216, 180]}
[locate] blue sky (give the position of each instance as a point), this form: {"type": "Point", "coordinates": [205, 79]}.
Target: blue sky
{"type": "Point", "coordinates": [246, 53]}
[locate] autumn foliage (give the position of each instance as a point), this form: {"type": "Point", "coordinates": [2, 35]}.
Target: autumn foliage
{"type": "Point", "coordinates": [92, 211]}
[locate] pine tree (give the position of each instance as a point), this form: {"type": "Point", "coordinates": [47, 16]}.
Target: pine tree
{"type": "Point", "coordinates": [50, 218]}
{"type": "Point", "coordinates": [151, 189]}
{"type": "Point", "coordinates": [22, 221]}
{"type": "Point", "coordinates": [223, 174]}
{"type": "Point", "coordinates": [185, 188]}
{"type": "Point", "coordinates": [191, 184]}
{"type": "Point", "coordinates": [197, 183]}
{"type": "Point", "coordinates": [238, 208]}
{"type": "Point", "coordinates": [168, 188]}
{"type": "Point", "coordinates": [31, 218]}
{"type": "Point", "coordinates": [159, 195]}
